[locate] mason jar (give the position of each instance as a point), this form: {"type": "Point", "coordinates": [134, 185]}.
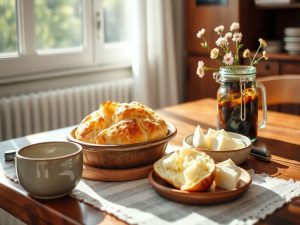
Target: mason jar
{"type": "Point", "coordinates": [237, 99]}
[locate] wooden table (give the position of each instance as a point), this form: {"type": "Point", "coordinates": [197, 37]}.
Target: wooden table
{"type": "Point", "coordinates": [281, 137]}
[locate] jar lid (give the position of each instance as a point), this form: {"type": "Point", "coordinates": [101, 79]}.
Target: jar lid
{"type": "Point", "coordinates": [237, 73]}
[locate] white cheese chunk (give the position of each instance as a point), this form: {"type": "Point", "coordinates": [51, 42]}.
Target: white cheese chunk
{"type": "Point", "coordinates": [239, 143]}
{"type": "Point", "coordinates": [199, 140]}
{"type": "Point", "coordinates": [216, 140]}
{"type": "Point", "coordinates": [226, 178]}
{"type": "Point", "coordinates": [220, 142]}
{"type": "Point", "coordinates": [227, 175]}
{"type": "Point", "coordinates": [209, 136]}
{"type": "Point", "coordinates": [229, 163]}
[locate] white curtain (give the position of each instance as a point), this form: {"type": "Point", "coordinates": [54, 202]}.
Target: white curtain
{"type": "Point", "coordinates": [155, 59]}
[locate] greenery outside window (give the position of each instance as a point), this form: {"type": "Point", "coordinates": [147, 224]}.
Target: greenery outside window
{"type": "Point", "coordinates": [51, 35]}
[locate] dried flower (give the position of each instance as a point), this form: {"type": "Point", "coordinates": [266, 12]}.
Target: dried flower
{"type": "Point", "coordinates": [221, 42]}
{"type": "Point", "coordinates": [246, 53]}
{"type": "Point", "coordinates": [200, 33]}
{"type": "Point", "coordinates": [237, 37]}
{"type": "Point", "coordinates": [265, 55]}
{"type": "Point", "coordinates": [228, 35]}
{"type": "Point", "coordinates": [214, 53]}
{"type": "Point", "coordinates": [262, 42]}
{"type": "Point", "coordinates": [200, 69]}
{"type": "Point", "coordinates": [219, 29]}
{"type": "Point", "coordinates": [224, 53]}
{"type": "Point", "coordinates": [228, 59]}
{"type": "Point", "coordinates": [234, 26]}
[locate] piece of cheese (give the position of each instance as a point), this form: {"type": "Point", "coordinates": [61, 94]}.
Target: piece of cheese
{"type": "Point", "coordinates": [239, 143]}
{"type": "Point", "coordinates": [221, 141]}
{"type": "Point", "coordinates": [210, 135]}
{"type": "Point", "coordinates": [226, 178]}
{"type": "Point", "coordinates": [225, 143]}
{"type": "Point", "coordinates": [199, 140]}
{"type": "Point", "coordinates": [227, 175]}
{"type": "Point", "coordinates": [229, 163]}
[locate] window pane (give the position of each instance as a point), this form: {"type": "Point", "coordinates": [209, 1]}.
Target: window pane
{"type": "Point", "coordinates": [58, 24]}
{"type": "Point", "coordinates": [116, 15]}
{"type": "Point", "coordinates": [8, 26]}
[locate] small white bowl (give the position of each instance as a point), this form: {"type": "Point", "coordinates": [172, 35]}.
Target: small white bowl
{"type": "Point", "coordinates": [238, 156]}
{"type": "Point", "coordinates": [50, 169]}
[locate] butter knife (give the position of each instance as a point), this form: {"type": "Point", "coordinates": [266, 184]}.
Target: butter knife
{"type": "Point", "coordinates": [261, 154]}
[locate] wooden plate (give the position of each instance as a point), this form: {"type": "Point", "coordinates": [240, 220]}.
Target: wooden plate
{"type": "Point", "coordinates": [213, 196]}
{"type": "Point", "coordinates": [93, 173]}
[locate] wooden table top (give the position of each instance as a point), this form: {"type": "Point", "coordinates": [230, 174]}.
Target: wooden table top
{"type": "Point", "coordinates": [281, 137]}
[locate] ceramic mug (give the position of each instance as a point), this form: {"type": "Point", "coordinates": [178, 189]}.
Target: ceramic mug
{"type": "Point", "coordinates": [50, 169]}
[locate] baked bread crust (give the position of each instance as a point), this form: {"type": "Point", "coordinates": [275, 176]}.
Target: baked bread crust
{"type": "Point", "coordinates": [121, 123]}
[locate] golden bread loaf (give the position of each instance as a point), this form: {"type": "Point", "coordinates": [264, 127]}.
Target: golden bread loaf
{"type": "Point", "coordinates": [121, 123]}
{"type": "Point", "coordinates": [187, 169]}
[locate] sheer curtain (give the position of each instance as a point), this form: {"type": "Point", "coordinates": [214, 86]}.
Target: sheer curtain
{"type": "Point", "coordinates": [155, 57]}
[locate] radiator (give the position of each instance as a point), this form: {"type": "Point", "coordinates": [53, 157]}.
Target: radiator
{"type": "Point", "coordinates": [37, 112]}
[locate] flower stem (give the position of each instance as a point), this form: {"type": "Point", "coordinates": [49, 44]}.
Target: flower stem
{"type": "Point", "coordinates": [252, 61]}
{"type": "Point", "coordinates": [237, 53]}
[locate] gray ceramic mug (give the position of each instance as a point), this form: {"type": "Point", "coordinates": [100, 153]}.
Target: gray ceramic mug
{"type": "Point", "coordinates": [50, 169]}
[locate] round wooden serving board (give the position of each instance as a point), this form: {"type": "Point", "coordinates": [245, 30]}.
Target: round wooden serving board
{"type": "Point", "coordinates": [93, 173]}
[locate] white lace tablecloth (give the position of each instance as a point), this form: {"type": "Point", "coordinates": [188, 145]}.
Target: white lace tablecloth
{"type": "Point", "coordinates": [136, 202]}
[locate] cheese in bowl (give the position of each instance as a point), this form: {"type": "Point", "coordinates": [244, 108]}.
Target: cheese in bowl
{"type": "Point", "coordinates": [220, 145]}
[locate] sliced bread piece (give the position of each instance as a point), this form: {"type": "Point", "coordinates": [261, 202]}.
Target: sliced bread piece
{"type": "Point", "coordinates": [187, 169]}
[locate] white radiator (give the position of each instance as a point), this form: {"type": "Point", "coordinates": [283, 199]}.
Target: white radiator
{"type": "Point", "coordinates": [36, 112]}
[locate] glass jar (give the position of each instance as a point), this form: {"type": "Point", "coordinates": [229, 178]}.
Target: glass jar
{"type": "Point", "coordinates": [237, 99]}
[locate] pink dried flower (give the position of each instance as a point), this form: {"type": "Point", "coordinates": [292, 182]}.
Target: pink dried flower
{"type": "Point", "coordinates": [228, 59]}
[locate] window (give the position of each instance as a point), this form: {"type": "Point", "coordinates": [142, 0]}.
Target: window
{"type": "Point", "coordinates": [8, 25]}
{"type": "Point", "coordinates": [114, 37]}
{"type": "Point", "coordinates": [51, 35]}
{"type": "Point", "coordinates": [58, 24]}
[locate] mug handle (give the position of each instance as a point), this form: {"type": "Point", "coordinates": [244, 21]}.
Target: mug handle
{"type": "Point", "coordinates": [262, 87]}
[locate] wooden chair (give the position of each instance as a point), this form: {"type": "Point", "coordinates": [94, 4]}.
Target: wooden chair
{"type": "Point", "coordinates": [283, 89]}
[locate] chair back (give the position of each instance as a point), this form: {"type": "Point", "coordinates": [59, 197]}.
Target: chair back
{"type": "Point", "coordinates": [283, 89]}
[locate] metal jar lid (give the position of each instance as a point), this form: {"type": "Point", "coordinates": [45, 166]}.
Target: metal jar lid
{"type": "Point", "coordinates": [230, 73]}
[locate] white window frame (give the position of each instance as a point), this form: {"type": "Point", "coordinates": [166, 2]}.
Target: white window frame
{"type": "Point", "coordinates": [113, 52]}
{"type": "Point", "coordinates": [93, 53]}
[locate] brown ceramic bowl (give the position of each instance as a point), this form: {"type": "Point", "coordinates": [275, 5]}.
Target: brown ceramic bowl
{"type": "Point", "coordinates": [238, 156]}
{"type": "Point", "coordinates": [123, 156]}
